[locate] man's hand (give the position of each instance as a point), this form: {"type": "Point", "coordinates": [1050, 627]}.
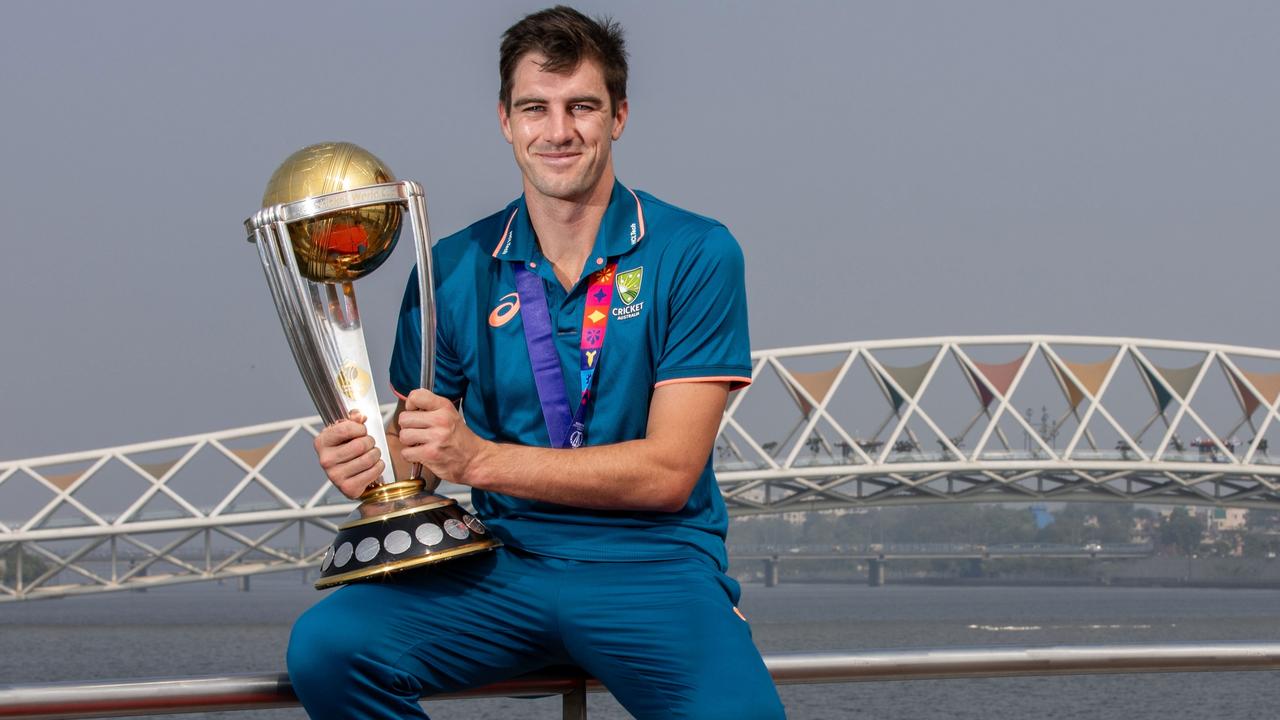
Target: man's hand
{"type": "Point", "coordinates": [348, 455]}
{"type": "Point", "coordinates": [433, 434]}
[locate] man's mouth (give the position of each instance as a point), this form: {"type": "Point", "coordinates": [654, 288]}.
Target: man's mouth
{"type": "Point", "coordinates": [558, 158]}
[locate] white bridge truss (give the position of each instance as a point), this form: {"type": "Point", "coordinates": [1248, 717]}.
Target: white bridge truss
{"type": "Point", "coordinates": [1026, 418]}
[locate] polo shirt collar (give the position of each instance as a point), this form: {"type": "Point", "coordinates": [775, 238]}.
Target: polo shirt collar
{"type": "Point", "coordinates": [621, 229]}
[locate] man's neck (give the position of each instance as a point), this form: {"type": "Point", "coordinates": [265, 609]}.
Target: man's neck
{"type": "Point", "coordinates": [567, 229]}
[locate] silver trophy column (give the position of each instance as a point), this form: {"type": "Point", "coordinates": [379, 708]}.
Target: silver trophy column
{"type": "Point", "coordinates": [332, 214]}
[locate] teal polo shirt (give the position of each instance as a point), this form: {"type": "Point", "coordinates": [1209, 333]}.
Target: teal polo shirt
{"type": "Point", "coordinates": [685, 322]}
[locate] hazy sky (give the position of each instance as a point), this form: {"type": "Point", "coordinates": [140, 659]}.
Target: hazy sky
{"type": "Point", "coordinates": [892, 169]}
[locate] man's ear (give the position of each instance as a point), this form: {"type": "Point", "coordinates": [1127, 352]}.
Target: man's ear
{"type": "Point", "coordinates": [619, 119]}
{"type": "Point", "coordinates": [504, 121]}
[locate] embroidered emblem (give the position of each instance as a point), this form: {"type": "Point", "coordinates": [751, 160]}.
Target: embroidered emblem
{"type": "Point", "coordinates": [507, 308]}
{"type": "Point", "coordinates": [629, 285]}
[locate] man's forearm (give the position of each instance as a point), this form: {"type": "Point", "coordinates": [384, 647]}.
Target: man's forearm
{"type": "Point", "coordinates": [632, 475]}
{"type": "Point", "coordinates": [655, 473]}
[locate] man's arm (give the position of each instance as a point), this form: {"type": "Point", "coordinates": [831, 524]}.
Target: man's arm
{"type": "Point", "coordinates": [656, 473]}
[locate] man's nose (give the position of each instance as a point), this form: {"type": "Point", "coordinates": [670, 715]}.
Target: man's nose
{"type": "Point", "coordinates": [560, 128]}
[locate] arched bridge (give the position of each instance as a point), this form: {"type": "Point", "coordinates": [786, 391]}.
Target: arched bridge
{"type": "Point", "coordinates": [1013, 418]}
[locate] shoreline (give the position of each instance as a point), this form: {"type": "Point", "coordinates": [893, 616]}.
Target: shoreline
{"type": "Point", "coordinates": [1126, 582]}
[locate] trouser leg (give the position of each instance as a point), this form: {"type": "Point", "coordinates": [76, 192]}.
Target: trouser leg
{"type": "Point", "coordinates": [371, 650]}
{"type": "Point", "coordinates": [665, 639]}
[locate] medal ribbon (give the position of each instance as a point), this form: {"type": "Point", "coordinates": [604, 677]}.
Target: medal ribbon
{"type": "Point", "coordinates": [566, 429]}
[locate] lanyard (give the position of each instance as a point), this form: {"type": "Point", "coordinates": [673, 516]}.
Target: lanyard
{"type": "Point", "coordinates": [566, 429]}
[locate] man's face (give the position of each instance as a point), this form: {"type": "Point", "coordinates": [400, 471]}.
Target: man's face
{"type": "Point", "coordinates": [561, 128]}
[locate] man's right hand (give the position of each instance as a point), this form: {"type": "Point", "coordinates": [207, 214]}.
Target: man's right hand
{"type": "Point", "coordinates": [348, 455]}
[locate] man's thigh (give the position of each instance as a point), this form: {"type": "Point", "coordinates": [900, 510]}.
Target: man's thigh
{"type": "Point", "coordinates": [667, 641]}
{"type": "Point", "coordinates": [464, 623]}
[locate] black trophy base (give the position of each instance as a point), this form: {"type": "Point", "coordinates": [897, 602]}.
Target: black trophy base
{"type": "Point", "coordinates": [398, 527]}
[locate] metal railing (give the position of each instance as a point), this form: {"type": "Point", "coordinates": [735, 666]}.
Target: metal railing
{"type": "Point", "coordinates": [262, 691]}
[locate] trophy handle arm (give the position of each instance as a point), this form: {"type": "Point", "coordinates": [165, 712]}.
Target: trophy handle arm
{"type": "Point", "coordinates": [417, 201]}
{"type": "Point", "coordinates": [416, 472]}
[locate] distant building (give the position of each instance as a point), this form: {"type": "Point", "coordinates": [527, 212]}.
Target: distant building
{"type": "Point", "coordinates": [798, 518]}
{"type": "Point", "coordinates": [1226, 519]}
{"type": "Point", "coordinates": [1142, 531]}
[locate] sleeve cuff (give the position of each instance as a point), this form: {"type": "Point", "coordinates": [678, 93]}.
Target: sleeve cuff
{"type": "Point", "coordinates": [737, 377]}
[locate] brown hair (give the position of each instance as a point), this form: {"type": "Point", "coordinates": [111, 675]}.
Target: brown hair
{"type": "Point", "coordinates": [566, 37]}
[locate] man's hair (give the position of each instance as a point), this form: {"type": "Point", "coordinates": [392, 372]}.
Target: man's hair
{"type": "Point", "coordinates": [565, 37]}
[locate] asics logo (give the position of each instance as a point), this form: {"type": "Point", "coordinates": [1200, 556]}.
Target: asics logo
{"type": "Point", "coordinates": [507, 308]}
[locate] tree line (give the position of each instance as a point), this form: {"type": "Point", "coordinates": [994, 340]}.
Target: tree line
{"type": "Point", "coordinates": [1180, 532]}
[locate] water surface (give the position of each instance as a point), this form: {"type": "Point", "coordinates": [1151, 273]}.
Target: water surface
{"type": "Point", "coordinates": [215, 629]}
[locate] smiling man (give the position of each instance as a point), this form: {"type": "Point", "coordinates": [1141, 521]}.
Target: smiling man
{"type": "Point", "coordinates": [590, 334]}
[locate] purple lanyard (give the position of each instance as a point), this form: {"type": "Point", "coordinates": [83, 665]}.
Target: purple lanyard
{"type": "Point", "coordinates": [566, 430]}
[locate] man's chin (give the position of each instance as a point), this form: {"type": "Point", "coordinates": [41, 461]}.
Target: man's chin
{"type": "Point", "coordinates": [567, 191]}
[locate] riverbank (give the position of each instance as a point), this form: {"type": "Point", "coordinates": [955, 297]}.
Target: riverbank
{"type": "Point", "coordinates": [1223, 573]}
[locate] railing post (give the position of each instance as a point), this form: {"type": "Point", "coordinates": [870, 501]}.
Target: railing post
{"type": "Point", "coordinates": [875, 572]}
{"type": "Point", "coordinates": [575, 701]}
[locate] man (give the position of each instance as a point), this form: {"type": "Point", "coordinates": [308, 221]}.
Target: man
{"type": "Point", "coordinates": [591, 335]}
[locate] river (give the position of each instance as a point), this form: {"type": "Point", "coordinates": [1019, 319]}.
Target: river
{"type": "Point", "coordinates": [209, 628]}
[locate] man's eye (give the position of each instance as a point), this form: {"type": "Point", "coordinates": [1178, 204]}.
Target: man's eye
{"type": "Point", "coordinates": [534, 108]}
{"type": "Point", "coordinates": [583, 108]}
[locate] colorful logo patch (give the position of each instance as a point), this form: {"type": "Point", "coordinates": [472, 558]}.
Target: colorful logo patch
{"type": "Point", "coordinates": [507, 308]}
{"type": "Point", "coordinates": [629, 285]}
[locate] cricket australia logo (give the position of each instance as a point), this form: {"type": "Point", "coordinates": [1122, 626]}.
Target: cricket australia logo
{"type": "Point", "coordinates": [628, 284]}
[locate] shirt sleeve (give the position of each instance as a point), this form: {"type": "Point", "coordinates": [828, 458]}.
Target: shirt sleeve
{"type": "Point", "coordinates": [707, 337]}
{"type": "Point", "coordinates": [406, 357]}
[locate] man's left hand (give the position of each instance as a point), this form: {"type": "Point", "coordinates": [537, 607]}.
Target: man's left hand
{"type": "Point", "coordinates": [433, 434]}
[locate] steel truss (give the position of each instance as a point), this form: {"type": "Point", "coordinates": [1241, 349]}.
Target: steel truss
{"type": "Point", "coordinates": [266, 508]}
{"type": "Point", "coordinates": [895, 466]}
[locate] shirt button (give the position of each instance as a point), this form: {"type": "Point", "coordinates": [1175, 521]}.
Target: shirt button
{"type": "Point", "coordinates": [599, 261]}
{"type": "Point", "coordinates": [533, 265]}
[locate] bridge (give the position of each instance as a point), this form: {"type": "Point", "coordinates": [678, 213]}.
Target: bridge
{"type": "Point", "coordinates": [1010, 418]}
{"type": "Point", "coordinates": [944, 551]}
{"type": "Point", "coordinates": [876, 556]}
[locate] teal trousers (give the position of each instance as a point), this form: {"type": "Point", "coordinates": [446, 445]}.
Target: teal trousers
{"type": "Point", "coordinates": [664, 637]}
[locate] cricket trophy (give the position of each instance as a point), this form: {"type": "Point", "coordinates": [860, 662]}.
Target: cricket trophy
{"type": "Point", "coordinates": [331, 214]}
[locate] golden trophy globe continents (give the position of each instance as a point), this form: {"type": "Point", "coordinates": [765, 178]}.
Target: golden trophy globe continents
{"type": "Point", "coordinates": [332, 213]}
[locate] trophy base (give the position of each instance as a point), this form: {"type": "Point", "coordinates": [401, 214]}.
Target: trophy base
{"type": "Point", "coordinates": [397, 527]}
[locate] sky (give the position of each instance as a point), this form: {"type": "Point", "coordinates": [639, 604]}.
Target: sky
{"type": "Point", "coordinates": [891, 169]}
